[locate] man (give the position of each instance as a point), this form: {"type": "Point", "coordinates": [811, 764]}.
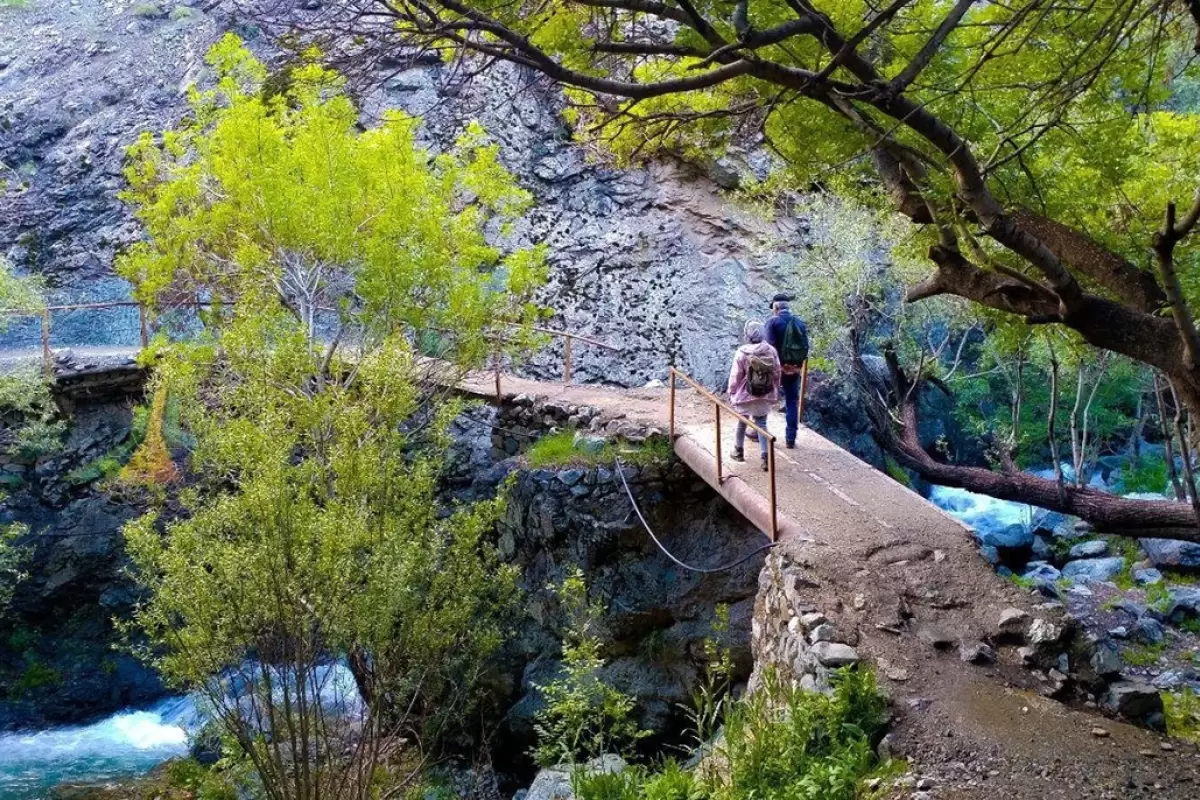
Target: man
{"type": "Point", "coordinates": [793, 351]}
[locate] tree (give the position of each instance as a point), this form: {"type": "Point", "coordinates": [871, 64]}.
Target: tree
{"type": "Point", "coordinates": [29, 423]}
{"type": "Point", "coordinates": [309, 528]}
{"type": "Point", "coordinates": [1029, 142]}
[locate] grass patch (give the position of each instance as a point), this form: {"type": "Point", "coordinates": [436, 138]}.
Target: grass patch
{"type": "Point", "coordinates": [1179, 578]}
{"type": "Point", "coordinates": [559, 450]}
{"type": "Point", "coordinates": [1182, 710]}
{"type": "Point", "coordinates": [1191, 625]}
{"type": "Point", "coordinates": [1144, 655]}
{"type": "Point", "coordinates": [1024, 583]}
{"type": "Point", "coordinates": [1131, 551]}
{"type": "Point", "coordinates": [1158, 596]}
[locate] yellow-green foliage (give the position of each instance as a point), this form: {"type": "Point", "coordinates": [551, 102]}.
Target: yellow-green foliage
{"type": "Point", "coordinates": [559, 449]}
{"type": "Point", "coordinates": [151, 462]}
{"type": "Point", "coordinates": [1183, 714]}
{"type": "Point", "coordinates": [262, 196]}
{"type": "Point", "coordinates": [584, 716]}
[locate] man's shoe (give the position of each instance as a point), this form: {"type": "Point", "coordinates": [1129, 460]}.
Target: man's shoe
{"type": "Point", "coordinates": [738, 454]}
{"type": "Point", "coordinates": [764, 464]}
{"type": "Point", "coordinates": [791, 445]}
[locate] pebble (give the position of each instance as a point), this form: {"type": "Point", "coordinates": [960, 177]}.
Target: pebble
{"type": "Point", "coordinates": [925, 784]}
{"type": "Point", "coordinates": [1166, 746]}
{"type": "Point", "coordinates": [1100, 733]}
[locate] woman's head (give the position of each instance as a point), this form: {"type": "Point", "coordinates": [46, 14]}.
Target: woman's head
{"type": "Point", "coordinates": [753, 331]}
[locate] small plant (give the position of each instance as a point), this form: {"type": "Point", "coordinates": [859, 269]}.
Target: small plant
{"type": "Point", "coordinates": [1023, 582]}
{"type": "Point", "coordinates": [1182, 710]}
{"type": "Point", "coordinates": [897, 472]}
{"type": "Point", "coordinates": [584, 716]}
{"type": "Point", "coordinates": [151, 463]}
{"type": "Point", "coordinates": [1158, 596]}
{"type": "Point", "coordinates": [147, 11]}
{"type": "Point", "coordinates": [1146, 655]}
{"type": "Point", "coordinates": [36, 676]}
{"type": "Point", "coordinates": [1144, 474]}
{"type": "Point", "coordinates": [1191, 625]}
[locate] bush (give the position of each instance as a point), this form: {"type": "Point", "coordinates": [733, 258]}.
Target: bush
{"type": "Point", "coordinates": [782, 742]}
{"type": "Point", "coordinates": [1144, 474]}
{"type": "Point", "coordinates": [584, 717]}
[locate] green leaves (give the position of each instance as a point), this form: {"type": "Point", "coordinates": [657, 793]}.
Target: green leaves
{"type": "Point", "coordinates": [265, 199]}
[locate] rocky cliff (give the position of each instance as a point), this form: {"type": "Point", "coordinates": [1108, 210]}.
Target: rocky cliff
{"type": "Point", "coordinates": [654, 260]}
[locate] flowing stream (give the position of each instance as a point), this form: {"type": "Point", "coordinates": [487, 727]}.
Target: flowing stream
{"type": "Point", "coordinates": [127, 744]}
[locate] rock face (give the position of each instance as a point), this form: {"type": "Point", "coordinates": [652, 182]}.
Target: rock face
{"type": "Point", "coordinates": [658, 615]}
{"type": "Point", "coordinates": [61, 662]}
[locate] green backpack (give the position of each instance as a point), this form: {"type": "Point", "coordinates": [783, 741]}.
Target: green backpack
{"type": "Point", "coordinates": [794, 349]}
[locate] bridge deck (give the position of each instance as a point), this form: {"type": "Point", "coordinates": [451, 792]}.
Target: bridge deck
{"type": "Point", "coordinates": [823, 492]}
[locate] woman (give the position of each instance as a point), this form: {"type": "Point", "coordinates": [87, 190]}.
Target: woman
{"type": "Point", "coordinates": [754, 386]}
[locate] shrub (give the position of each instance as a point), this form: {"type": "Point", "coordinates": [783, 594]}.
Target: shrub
{"type": "Point", "coordinates": [584, 716]}
{"type": "Point", "coordinates": [782, 742]}
{"type": "Point", "coordinates": [1144, 474]}
{"type": "Point", "coordinates": [1182, 710]}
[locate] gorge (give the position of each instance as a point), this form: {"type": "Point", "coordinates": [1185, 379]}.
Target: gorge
{"type": "Point", "coordinates": [1033, 655]}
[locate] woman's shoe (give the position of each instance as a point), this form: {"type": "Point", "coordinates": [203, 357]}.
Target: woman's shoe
{"type": "Point", "coordinates": [738, 454]}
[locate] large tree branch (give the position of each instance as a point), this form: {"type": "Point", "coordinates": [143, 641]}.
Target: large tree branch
{"type": "Point", "coordinates": [1163, 245]}
{"type": "Point", "coordinates": [1109, 270]}
{"type": "Point", "coordinates": [930, 48]}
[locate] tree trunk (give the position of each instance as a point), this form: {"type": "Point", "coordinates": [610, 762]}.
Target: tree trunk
{"type": "Point", "coordinates": [896, 432]}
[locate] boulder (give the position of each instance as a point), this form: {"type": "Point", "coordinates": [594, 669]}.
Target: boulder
{"type": "Point", "coordinates": [1147, 576]}
{"type": "Point", "coordinates": [1041, 572]}
{"type": "Point", "coordinates": [1184, 603]}
{"type": "Point", "coordinates": [1149, 630]}
{"type": "Point", "coordinates": [1013, 619]}
{"type": "Point", "coordinates": [1106, 660]}
{"type": "Point", "coordinates": [1133, 700]}
{"type": "Point", "coordinates": [1091, 549]}
{"type": "Point", "coordinates": [1172, 553]}
{"type": "Point", "coordinates": [1012, 536]}
{"type": "Point", "coordinates": [555, 783]}
{"type": "Point", "coordinates": [835, 654]}
{"type": "Point", "coordinates": [976, 653]}
{"type": "Point", "coordinates": [1094, 569]}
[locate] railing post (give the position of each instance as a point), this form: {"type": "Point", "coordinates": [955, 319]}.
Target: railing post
{"type": "Point", "coordinates": [803, 389]}
{"type": "Point", "coordinates": [47, 365]}
{"type": "Point", "coordinates": [771, 468]}
{"type": "Point", "coordinates": [567, 360]}
{"type": "Point", "coordinates": [142, 326]}
{"type": "Point", "coordinates": [671, 400]}
{"type": "Point", "coordinates": [496, 365]}
{"type": "Point", "coordinates": [717, 408]}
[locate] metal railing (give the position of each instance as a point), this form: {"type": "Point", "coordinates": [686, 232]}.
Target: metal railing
{"type": "Point", "coordinates": [568, 352]}
{"type": "Point", "coordinates": [719, 405]}
{"type": "Point", "coordinates": [46, 315]}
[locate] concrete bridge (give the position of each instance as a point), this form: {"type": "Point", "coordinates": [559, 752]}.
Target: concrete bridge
{"type": "Point", "coordinates": [865, 570]}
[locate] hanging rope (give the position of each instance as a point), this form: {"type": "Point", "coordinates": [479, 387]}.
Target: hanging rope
{"type": "Point", "coordinates": [666, 552]}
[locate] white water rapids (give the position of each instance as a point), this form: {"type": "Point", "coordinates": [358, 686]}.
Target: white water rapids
{"type": "Point", "coordinates": [126, 744]}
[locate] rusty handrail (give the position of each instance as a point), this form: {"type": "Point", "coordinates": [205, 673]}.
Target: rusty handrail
{"type": "Point", "coordinates": [719, 404]}
{"type": "Point", "coordinates": [144, 334]}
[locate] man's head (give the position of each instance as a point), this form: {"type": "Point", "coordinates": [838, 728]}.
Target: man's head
{"type": "Point", "coordinates": [780, 302]}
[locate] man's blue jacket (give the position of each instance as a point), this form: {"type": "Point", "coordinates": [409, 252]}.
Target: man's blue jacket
{"type": "Point", "coordinates": [777, 324]}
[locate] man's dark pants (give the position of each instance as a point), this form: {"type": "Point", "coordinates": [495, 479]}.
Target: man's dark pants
{"type": "Point", "coordinates": [791, 404]}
